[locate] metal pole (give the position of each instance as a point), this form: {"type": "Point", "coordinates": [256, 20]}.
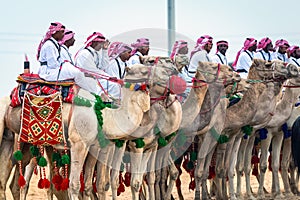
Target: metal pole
{"type": "Point", "coordinates": [171, 25]}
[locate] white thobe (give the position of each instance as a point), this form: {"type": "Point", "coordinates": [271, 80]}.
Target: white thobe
{"type": "Point", "coordinates": [219, 58]}
{"type": "Point", "coordinates": [244, 62]}
{"type": "Point", "coordinates": [135, 58]}
{"type": "Point", "coordinates": [267, 56]}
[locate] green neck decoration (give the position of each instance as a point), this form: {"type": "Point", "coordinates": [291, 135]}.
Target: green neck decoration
{"type": "Point", "coordinates": [180, 139]}
{"type": "Point", "coordinates": [139, 142]}
{"type": "Point", "coordinates": [221, 139]}
{"type": "Point", "coordinates": [247, 130]}
{"type": "Point", "coordinates": [80, 101]}
{"type": "Point", "coordinates": [98, 107]}
{"type": "Point", "coordinates": [163, 141]}
{"type": "Point", "coordinates": [34, 151]}
{"type": "Point", "coordinates": [119, 143]}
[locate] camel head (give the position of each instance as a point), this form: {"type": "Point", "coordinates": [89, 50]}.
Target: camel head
{"type": "Point", "coordinates": [137, 73]}
{"type": "Point", "coordinates": [218, 73]}
{"type": "Point", "coordinates": [163, 74]}
{"type": "Point", "coordinates": [239, 87]}
{"type": "Point", "coordinates": [272, 70]}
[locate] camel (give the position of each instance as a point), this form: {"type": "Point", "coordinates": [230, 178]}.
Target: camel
{"type": "Point", "coordinates": [237, 88]}
{"type": "Point", "coordinates": [234, 120]}
{"type": "Point", "coordinates": [134, 106]}
{"type": "Point", "coordinates": [282, 113]}
{"type": "Point", "coordinates": [215, 91]}
{"type": "Point", "coordinates": [162, 71]}
{"type": "Point", "coordinates": [260, 115]}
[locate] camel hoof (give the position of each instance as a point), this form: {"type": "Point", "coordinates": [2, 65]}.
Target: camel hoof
{"type": "Point", "coordinates": [197, 195]}
{"type": "Point", "coordinates": [289, 195]}
{"type": "Point", "coordinates": [279, 196]}
{"type": "Point", "coordinates": [251, 197]}
{"type": "Point", "coordinates": [261, 195]}
{"type": "Point", "coordinates": [233, 197]}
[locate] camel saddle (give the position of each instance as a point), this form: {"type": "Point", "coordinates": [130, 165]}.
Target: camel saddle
{"type": "Point", "coordinates": [33, 84]}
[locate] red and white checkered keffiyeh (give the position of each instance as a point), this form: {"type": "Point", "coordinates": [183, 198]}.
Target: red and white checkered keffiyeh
{"type": "Point", "coordinates": [68, 35]}
{"type": "Point", "coordinates": [141, 42]}
{"type": "Point", "coordinates": [116, 48]}
{"type": "Point", "coordinates": [177, 46]}
{"type": "Point", "coordinates": [53, 28]}
{"type": "Point", "coordinates": [201, 42]}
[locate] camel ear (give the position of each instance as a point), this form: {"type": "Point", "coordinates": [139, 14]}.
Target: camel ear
{"type": "Point", "coordinates": [143, 100]}
{"type": "Point", "coordinates": [268, 64]}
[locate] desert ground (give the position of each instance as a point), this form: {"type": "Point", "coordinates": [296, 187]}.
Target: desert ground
{"type": "Point", "coordinates": [39, 194]}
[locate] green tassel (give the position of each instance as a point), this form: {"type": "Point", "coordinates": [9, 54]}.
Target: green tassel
{"type": "Point", "coordinates": [180, 139]}
{"type": "Point", "coordinates": [126, 158]}
{"type": "Point", "coordinates": [18, 155]}
{"type": "Point", "coordinates": [190, 165]}
{"type": "Point", "coordinates": [169, 137]}
{"type": "Point", "coordinates": [103, 142]}
{"type": "Point", "coordinates": [139, 143]}
{"type": "Point", "coordinates": [119, 143]}
{"type": "Point", "coordinates": [247, 130]}
{"type": "Point", "coordinates": [156, 130]}
{"type": "Point", "coordinates": [79, 101]}
{"type": "Point", "coordinates": [42, 162]}
{"type": "Point", "coordinates": [193, 156]}
{"type": "Point", "coordinates": [65, 159]}
{"type": "Point", "coordinates": [223, 139]}
{"type": "Point", "coordinates": [34, 151]}
{"type": "Point", "coordinates": [122, 167]}
{"type": "Point", "coordinates": [127, 85]}
{"type": "Point", "coordinates": [162, 142]}
{"type": "Point", "coordinates": [56, 157]}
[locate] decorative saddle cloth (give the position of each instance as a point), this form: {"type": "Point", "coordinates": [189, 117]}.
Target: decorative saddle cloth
{"type": "Point", "coordinates": [33, 84]}
{"type": "Point", "coordinates": [42, 119]}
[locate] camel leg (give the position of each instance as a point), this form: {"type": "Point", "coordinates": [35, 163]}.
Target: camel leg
{"type": "Point", "coordinates": [247, 165]}
{"type": "Point", "coordinates": [232, 165]}
{"type": "Point", "coordinates": [173, 172]}
{"type": "Point", "coordinates": [151, 174]}
{"type": "Point", "coordinates": [27, 175]}
{"type": "Point", "coordinates": [6, 150]}
{"type": "Point", "coordinates": [220, 170]}
{"type": "Point", "coordinates": [202, 152]}
{"type": "Point", "coordinates": [205, 194]}
{"type": "Point", "coordinates": [239, 167]}
{"type": "Point", "coordinates": [89, 168]}
{"type": "Point", "coordinates": [178, 166]}
{"type": "Point", "coordinates": [158, 177]}
{"type": "Point", "coordinates": [263, 163]}
{"type": "Point", "coordinates": [285, 163]}
{"type": "Point", "coordinates": [164, 172]}
{"type": "Point", "coordinates": [116, 164]}
{"type": "Point", "coordinates": [276, 148]}
{"type": "Point", "coordinates": [103, 170]}
{"type": "Point", "coordinates": [78, 152]}
{"type": "Point", "coordinates": [136, 156]}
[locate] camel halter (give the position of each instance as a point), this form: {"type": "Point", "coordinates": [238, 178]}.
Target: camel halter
{"type": "Point", "coordinates": [167, 91]}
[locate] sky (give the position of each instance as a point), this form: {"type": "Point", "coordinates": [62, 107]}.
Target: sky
{"type": "Point", "coordinates": [24, 23]}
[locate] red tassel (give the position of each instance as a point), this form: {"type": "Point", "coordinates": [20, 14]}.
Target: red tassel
{"type": "Point", "coordinates": [95, 187]}
{"type": "Point", "coordinates": [127, 179]}
{"type": "Point", "coordinates": [178, 182]}
{"type": "Point", "coordinates": [40, 184]}
{"type": "Point", "coordinates": [46, 183]}
{"type": "Point", "coordinates": [21, 181]}
{"type": "Point", "coordinates": [121, 187]}
{"type": "Point", "coordinates": [254, 159]}
{"type": "Point", "coordinates": [35, 171]}
{"type": "Point", "coordinates": [192, 185]}
{"type": "Point", "coordinates": [57, 187]}
{"type": "Point", "coordinates": [65, 184]}
{"type": "Point", "coordinates": [57, 179]}
{"type": "Point", "coordinates": [212, 172]}
{"type": "Point", "coordinates": [184, 164]}
{"type": "Point", "coordinates": [255, 170]}
{"type": "Point", "coordinates": [81, 183]}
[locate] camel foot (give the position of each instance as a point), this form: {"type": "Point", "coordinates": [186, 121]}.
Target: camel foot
{"type": "Point", "coordinates": [289, 195]}
{"type": "Point", "coordinates": [261, 195]}
{"type": "Point", "coordinates": [197, 195]}
{"type": "Point", "coordinates": [233, 197]}
{"type": "Point", "coordinates": [278, 196]}
{"type": "Point", "coordinates": [251, 197]}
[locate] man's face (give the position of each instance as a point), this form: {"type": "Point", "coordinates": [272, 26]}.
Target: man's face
{"type": "Point", "coordinates": [253, 48]}
{"type": "Point", "coordinates": [297, 54]}
{"type": "Point", "coordinates": [58, 35]}
{"type": "Point", "coordinates": [183, 50]}
{"type": "Point", "coordinates": [144, 50]}
{"type": "Point", "coordinates": [208, 47]}
{"type": "Point", "coordinates": [269, 47]}
{"type": "Point", "coordinates": [222, 48]}
{"type": "Point", "coordinates": [70, 42]}
{"type": "Point", "coordinates": [282, 49]}
{"type": "Point", "coordinates": [125, 55]}
{"type": "Point", "coordinates": [97, 45]}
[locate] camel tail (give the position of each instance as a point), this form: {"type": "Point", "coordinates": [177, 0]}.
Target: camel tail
{"type": "Point", "coordinates": [4, 104]}
{"type": "Point", "coordinates": [296, 142]}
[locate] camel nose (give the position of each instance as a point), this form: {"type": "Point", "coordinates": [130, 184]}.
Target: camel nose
{"type": "Point", "coordinates": [293, 71]}
{"type": "Point", "coordinates": [236, 77]}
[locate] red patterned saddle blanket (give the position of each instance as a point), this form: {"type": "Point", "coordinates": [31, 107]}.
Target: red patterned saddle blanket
{"type": "Point", "coordinates": [42, 119]}
{"type": "Point", "coordinates": [33, 84]}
